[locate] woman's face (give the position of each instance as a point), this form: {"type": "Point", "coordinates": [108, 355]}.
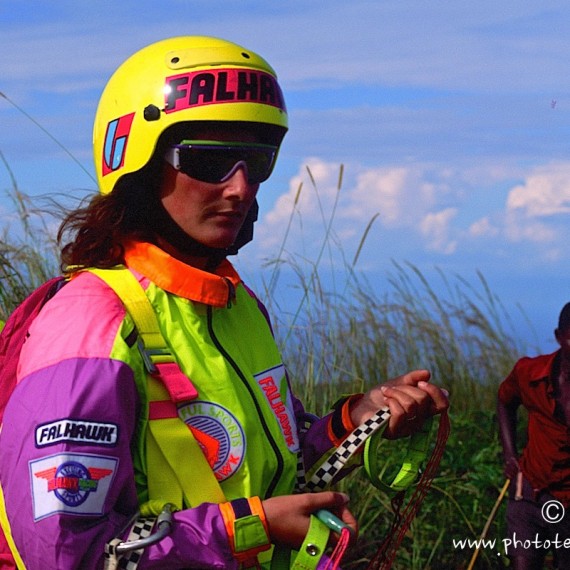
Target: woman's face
{"type": "Point", "coordinates": [211, 213]}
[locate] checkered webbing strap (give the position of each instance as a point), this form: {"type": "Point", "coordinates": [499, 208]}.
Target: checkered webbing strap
{"type": "Point", "coordinates": [130, 560]}
{"type": "Point", "coordinates": [303, 425]}
{"type": "Point", "coordinates": [326, 472]}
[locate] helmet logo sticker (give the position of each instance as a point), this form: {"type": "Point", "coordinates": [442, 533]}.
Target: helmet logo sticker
{"type": "Point", "coordinates": [219, 435]}
{"type": "Point", "coordinates": [221, 86]}
{"type": "Point", "coordinates": [115, 146]}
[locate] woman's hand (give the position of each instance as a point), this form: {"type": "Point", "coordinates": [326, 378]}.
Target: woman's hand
{"type": "Point", "coordinates": [288, 516]}
{"type": "Point", "coordinates": [511, 467]}
{"type": "Point", "coordinates": [411, 399]}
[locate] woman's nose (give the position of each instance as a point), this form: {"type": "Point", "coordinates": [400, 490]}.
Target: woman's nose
{"type": "Point", "coordinates": [237, 184]}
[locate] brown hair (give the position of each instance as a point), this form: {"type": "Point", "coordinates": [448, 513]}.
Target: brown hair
{"type": "Point", "coordinates": [96, 234]}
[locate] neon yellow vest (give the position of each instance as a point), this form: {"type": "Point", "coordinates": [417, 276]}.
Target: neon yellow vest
{"type": "Point", "coordinates": [242, 417]}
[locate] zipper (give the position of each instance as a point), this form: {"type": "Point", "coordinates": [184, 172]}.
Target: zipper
{"type": "Point", "coordinates": [268, 435]}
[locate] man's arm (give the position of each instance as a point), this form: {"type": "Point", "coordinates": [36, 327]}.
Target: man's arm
{"type": "Point", "coordinates": [507, 417]}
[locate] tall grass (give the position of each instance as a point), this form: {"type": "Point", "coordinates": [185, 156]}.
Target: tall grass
{"type": "Point", "coordinates": [350, 337]}
{"type": "Point", "coordinates": [353, 334]}
{"type": "Point", "coordinates": [28, 253]}
{"type": "Point", "coordinates": [351, 344]}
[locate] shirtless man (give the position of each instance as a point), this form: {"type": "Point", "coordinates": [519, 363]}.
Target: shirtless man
{"type": "Point", "coordinates": [541, 474]}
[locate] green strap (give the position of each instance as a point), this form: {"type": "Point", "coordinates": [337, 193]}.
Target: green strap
{"type": "Point", "coordinates": [309, 554]}
{"type": "Point", "coordinates": [313, 546]}
{"type": "Point", "coordinates": [407, 475]}
{"type": "Point", "coordinates": [175, 461]}
{"type": "Point", "coordinates": [131, 293]}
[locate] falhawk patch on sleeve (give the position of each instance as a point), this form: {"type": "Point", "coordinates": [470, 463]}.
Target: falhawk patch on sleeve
{"type": "Point", "coordinates": [77, 431]}
{"type": "Point", "coordinates": [71, 483]}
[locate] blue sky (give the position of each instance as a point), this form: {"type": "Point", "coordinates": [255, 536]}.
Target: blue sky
{"type": "Point", "coordinates": [451, 120]}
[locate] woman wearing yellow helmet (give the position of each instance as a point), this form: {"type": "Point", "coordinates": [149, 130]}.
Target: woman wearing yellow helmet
{"type": "Point", "coordinates": [108, 416]}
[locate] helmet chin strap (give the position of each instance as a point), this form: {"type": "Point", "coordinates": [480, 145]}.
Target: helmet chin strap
{"type": "Point", "coordinates": [170, 231]}
{"type": "Point", "coordinates": [245, 234]}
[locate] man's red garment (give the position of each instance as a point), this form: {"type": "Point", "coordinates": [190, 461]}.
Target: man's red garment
{"type": "Point", "coordinates": [545, 461]}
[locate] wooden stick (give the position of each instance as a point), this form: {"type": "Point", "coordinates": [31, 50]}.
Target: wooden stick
{"type": "Point", "coordinates": [519, 494]}
{"type": "Point", "coordinates": [488, 523]}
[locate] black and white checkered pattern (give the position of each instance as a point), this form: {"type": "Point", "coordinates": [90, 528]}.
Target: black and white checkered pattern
{"type": "Point", "coordinates": [130, 560]}
{"type": "Point", "coordinates": [301, 480]}
{"type": "Point", "coordinates": [325, 473]}
{"type": "Point", "coordinates": [303, 425]}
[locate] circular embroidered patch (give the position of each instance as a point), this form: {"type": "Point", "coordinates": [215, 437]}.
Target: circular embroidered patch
{"type": "Point", "coordinates": [219, 435]}
{"type": "Point", "coordinates": [73, 483]}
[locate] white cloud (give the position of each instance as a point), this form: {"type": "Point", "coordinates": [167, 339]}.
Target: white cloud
{"type": "Point", "coordinates": [309, 205]}
{"type": "Point", "coordinates": [555, 255]}
{"type": "Point", "coordinates": [518, 230]}
{"type": "Point", "coordinates": [406, 199]}
{"type": "Point", "coordinates": [483, 227]}
{"type": "Point", "coordinates": [435, 228]}
{"type": "Point", "coordinates": [546, 192]}
{"type": "Point", "coordinates": [399, 194]}
{"type": "Point", "coordinates": [536, 211]}
{"type": "Point", "coordinates": [437, 208]}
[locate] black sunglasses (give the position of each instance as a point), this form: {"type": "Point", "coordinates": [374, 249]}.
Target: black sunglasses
{"type": "Point", "coordinates": [216, 161]}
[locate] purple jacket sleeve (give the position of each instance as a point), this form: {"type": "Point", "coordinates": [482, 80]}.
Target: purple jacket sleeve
{"type": "Point", "coordinates": [315, 441]}
{"type": "Point", "coordinates": [66, 437]}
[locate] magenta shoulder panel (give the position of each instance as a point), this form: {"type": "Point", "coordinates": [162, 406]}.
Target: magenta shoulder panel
{"type": "Point", "coordinates": [54, 336]}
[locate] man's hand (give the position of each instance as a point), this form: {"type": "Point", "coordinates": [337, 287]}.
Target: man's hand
{"type": "Point", "coordinates": [511, 467]}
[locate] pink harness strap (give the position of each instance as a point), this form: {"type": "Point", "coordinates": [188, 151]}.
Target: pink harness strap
{"type": "Point", "coordinates": [177, 384]}
{"type": "Point", "coordinates": [162, 410]}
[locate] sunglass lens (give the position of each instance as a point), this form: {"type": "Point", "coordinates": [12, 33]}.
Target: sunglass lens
{"type": "Point", "coordinates": [212, 164]}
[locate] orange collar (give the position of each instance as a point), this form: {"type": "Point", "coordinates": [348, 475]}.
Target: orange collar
{"type": "Point", "coordinates": [176, 277]}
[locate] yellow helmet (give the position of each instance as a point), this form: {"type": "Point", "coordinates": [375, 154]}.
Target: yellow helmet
{"type": "Point", "coordinates": [187, 78]}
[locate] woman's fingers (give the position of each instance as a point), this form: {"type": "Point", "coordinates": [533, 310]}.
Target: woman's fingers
{"type": "Point", "coordinates": [410, 396]}
{"type": "Point", "coordinates": [410, 406]}
{"type": "Point", "coordinates": [288, 516]}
